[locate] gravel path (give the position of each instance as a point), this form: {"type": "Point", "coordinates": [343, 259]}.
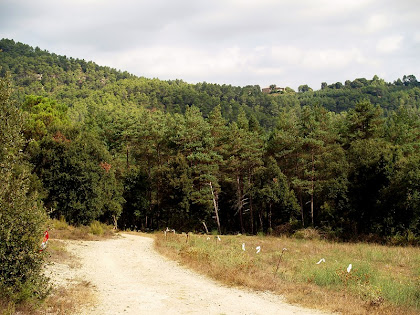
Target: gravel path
{"type": "Point", "coordinates": [129, 277]}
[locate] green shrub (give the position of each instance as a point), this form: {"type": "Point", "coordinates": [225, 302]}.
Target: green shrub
{"type": "Point", "coordinates": [60, 224]}
{"type": "Point", "coordinates": [260, 234]}
{"type": "Point", "coordinates": [407, 238]}
{"type": "Point", "coordinates": [96, 228]}
{"type": "Point", "coordinates": [22, 217]}
{"type": "Point", "coordinates": [307, 234]}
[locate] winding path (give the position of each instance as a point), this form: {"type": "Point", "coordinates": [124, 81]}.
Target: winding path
{"type": "Point", "coordinates": [129, 277]}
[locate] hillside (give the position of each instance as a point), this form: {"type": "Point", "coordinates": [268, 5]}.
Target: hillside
{"type": "Point", "coordinates": [110, 146]}
{"type": "Point", "coordinates": [69, 81]}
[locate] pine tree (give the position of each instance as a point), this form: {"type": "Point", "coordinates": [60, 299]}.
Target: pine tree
{"type": "Point", "coordinates": [244, 152]}
{"type": "Point", "coordinates": [197, 161]}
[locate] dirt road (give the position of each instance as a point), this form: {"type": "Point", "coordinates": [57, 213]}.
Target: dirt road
{"type": "Point", "coordinates": [129, 277]}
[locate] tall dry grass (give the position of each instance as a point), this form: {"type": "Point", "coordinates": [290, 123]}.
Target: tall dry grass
{"type": "Point", "coordinates": [383, 279]}
{"type": "Point", "coordinates": [60, 229]}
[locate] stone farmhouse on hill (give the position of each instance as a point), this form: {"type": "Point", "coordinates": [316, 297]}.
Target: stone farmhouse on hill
{"type": "Point", "coordinates": [273, 89]}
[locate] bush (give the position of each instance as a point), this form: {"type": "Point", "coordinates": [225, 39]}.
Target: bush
{"type": "Point", "coordinates": [283, 229]}
{"type": "Point", "coordinates": [307, 234]}
{"type": "Point", "coordinates": [60, 224]}
{"type": "Point", "coordinates": [96, 228]}
{"type": "Point", "coordinates": [22, 217]}
{"type": "Point", "coordinates": [407, 238]}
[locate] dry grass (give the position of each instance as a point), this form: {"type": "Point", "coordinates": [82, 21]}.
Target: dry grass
{"type": "Point", "coordinates": [59, 229]}
{"type": "Point", "coordinates": [61, 301]}
{"type": "Point", "coordinates": [384, 280]}
{"type": "Point", "coordinates": [67, 300]}
{"type": "Point", "coordinates": [57, 253]}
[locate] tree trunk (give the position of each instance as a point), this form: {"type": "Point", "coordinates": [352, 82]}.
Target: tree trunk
{"type": "Point", "coordinates": [301, 207]}
{"type": "Point", "coordinates": [312, 188]}
{"type": "Point", "coordinates": [216, 208]}
{"type": "Point", "coordinates": [250, 208]}
{"type": "Point", "coordinates": [205, 226]}
{"type": "Point", "coordinates": [115, 222]}
{"type": "Point", "coordinates": [240, 203]}
{"type": "Point", "coordinates": [300, 192]}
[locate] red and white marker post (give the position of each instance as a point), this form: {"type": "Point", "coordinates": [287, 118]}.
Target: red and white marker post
{"type": "Point", "coordinates": [44, 241]}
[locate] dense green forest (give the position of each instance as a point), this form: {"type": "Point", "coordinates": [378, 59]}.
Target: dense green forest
{"type": "Point", "coordinates": [107, 145]}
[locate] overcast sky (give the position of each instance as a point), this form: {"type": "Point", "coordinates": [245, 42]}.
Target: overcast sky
{"type": "Point", "coordinates": [238, 42]}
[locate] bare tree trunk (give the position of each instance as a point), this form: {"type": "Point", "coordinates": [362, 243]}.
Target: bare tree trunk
{"type": "Point", "coordinates": [301, 207]}
{"type": "Point", "coordinates": [261, 221]}
{"type": "Point", "coordinates": [300, 192]}
{"type": "Point", "coordinates": [250, 207]}
{"type": "Point", "coordinates": [216, 207]}
{"type": "Point", "coordinates": [115, 222]}
{"type": "Point", "coordinates": [252, 214]}
{"type": "Point", "coordinates": [240, 203]}
{"type": "Point", "coordinates": [312, 188]}
{"type": "Point", "coordinates": [205, 226]}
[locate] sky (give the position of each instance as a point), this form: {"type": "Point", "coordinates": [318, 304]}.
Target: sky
{"type": "Point", "coordinates": [237, 42]}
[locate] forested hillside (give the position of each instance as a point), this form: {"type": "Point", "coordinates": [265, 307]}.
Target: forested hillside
{"type": "Point", "coordinates": [71, 81]}
{"type": "Point", "coordinates": [107, 145]}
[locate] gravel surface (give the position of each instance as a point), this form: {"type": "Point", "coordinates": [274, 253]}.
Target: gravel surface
{"type": "Point", "coordinates": [129, 277]}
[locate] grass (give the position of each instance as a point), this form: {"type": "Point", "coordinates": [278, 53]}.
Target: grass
{"type": "Point", "coordinates": [59, 229]}
{"type": "Point", "coordinates": [62, 300]}
{"type": "Point", "coordinates": [383, 280]}
{"type": "Point", "coordinates": [69, 300]}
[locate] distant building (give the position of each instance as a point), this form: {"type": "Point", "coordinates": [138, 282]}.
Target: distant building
{"type": "Point", "coordinates": [273, 89]}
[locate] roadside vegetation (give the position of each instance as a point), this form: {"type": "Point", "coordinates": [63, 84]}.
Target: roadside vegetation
{"type": "Point", "coordinates": [59, 300]}
{"type": "Point", "coordinates": [382, 279]}
{"type": "Point", "coordinates": [70, 299]}
{"type": "Point", "coordinates": [61, 230]}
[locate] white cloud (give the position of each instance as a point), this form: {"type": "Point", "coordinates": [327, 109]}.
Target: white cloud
{"type": "Point", "coordinates": [377, 22]}
{"type": "Point", "coordinates": [237, 42]}
{"type": "Point", "coordinates": [332, 58]}
{"type": "Point", "coordinates": [389, 44]}
{"type": "Point", "coordinates": [286, 54]}
{"type": "Point", "coordinates": [170, 62]}
{"type": "Point", "coordinates": [331, 8]}
{"type": "Point", "coordinates": [317, 58]}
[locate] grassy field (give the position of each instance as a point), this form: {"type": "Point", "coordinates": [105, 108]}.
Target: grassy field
{"type": "Point", "coordinates": [382, 280]}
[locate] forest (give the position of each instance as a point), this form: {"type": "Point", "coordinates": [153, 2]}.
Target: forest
{"type": "Point", "coordinates": [101, 144]}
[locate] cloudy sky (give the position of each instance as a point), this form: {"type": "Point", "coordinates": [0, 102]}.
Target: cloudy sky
{"type": "Point", "coordinates": [238, 42]}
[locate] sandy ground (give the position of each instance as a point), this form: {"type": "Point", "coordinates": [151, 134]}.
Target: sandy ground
{"type": "Point", "coordinates": [129, 277]}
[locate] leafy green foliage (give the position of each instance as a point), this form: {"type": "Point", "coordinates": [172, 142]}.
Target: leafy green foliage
{"type": "Point", "coordinates": [106, 145]}
{"type": "Point", "coordinates": [78, 177]}
{"type": "Point", "coordinates": [22, 216]}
